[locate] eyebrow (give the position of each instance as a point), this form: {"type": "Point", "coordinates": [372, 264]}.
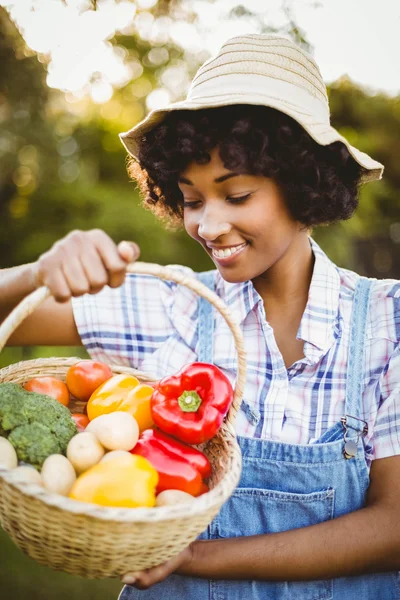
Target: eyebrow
{"type": "Point", "coordinates": [217, 180]}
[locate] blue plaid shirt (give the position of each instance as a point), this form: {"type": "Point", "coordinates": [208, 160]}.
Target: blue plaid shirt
{"type": "Point", "coordinates": [151, 325]}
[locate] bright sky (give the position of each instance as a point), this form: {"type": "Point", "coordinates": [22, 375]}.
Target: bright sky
{"type": "Point", "coordinates": [359, 38]}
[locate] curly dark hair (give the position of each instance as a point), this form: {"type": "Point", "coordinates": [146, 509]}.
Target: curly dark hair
{"type": "Point", "coordinates": [319, 183]}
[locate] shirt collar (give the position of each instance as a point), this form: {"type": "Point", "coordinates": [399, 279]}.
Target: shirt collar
{"type": "Point", "coordinates": [319, 323]}
{"type": "Point", "coordinates": [240, 297]}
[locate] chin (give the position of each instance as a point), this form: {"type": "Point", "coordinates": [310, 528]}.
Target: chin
{"type": "Point", "coordinates": [232, 277]}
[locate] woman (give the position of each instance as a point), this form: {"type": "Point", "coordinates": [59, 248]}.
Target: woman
{"type": "Point", "coordinates": [250, 163]}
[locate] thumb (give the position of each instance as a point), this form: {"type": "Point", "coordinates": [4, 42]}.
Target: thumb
{"type": "Point", "coordinates": [129, 251]}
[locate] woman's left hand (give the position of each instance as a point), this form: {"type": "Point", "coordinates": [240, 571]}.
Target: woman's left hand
{"type": "Point", "coordinates": [142, 580]}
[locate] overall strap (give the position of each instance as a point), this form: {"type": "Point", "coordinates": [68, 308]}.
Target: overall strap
{"type": "Point", "coordinates": [206, 320]}
{"type": "Point", "coordinates": [206, 338]}
{"type": "Point", "coordinates": [355, 363]}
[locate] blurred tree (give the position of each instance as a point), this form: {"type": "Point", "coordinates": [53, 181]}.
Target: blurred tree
{"type": "Point", "coordinates": [63, 169]}
{"type": "Point", "coordinates": [369, 241]}
{"type": "Point", "coordinates": [23, 99]}
{"type": "Point", "coordinates": [63, 165]}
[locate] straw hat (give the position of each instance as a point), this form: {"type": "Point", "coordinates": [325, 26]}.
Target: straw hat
{"type": "Point", "coordinates": [265, 70]}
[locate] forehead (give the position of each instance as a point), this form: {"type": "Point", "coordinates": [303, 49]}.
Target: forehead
{"type": "Point", "coordinates": [212, 169]}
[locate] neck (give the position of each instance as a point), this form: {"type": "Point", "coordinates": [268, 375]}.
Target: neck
{"type": "Point", "coordinates": [286, 284]}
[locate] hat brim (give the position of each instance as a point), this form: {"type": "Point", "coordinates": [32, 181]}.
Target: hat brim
{"type": "Point", "coordinates": [322, 133]}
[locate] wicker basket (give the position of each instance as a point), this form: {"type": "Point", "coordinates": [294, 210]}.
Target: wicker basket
{"type": "Point", "coordinates": [93, 541]}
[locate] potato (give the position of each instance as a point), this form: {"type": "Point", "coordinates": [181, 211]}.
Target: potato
{"type": "Point", "coordinates": [171, 497]}
{"type": "Point", "coordinates": [28, 474]}
{"type": "Point", "coordinates": [116, 431]}
{"type": "Point", "coordinates": [120, 454]}
{"type": "Point", "coordinates": [84, 451]}
{"type": "Point", "coordinates": [8, 456]}
{"type": "Point", "coordinates": [58, 474]}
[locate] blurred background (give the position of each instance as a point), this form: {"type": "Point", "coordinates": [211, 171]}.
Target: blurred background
{"type": "Point", "coordinates": [75, 73]}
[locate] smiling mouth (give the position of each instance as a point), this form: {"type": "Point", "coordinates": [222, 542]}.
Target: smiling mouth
{"type": "Point", "coordinates": [227, 252]}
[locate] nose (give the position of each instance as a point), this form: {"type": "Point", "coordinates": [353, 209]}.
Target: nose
{"type": "Point", "coordinates": [212, 225]}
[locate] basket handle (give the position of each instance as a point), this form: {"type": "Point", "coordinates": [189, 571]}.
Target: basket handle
{"type": "Point", "coordinates": [29, 304]}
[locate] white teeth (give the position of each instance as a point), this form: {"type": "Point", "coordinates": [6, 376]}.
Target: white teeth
{"type": "Point", "coordinates": [225, 252]}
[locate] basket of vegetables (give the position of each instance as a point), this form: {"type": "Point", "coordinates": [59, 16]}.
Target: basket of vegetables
{"type": "Point", "coordinates": [111, 470]}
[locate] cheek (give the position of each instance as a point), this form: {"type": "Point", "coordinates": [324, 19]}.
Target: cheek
{"type": "Point", "coordinates": [191, 226]}
{"type": "Point", "coordinates": [270, 232]}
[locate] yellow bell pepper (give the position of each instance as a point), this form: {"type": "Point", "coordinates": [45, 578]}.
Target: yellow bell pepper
{"type": "Point", "coordinates": [126, 393]}
{"type": "Point", "coordinates": [125, 481]}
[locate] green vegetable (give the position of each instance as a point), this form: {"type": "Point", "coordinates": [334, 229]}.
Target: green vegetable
{"type": "Point", "coordinates": [34, 442]}
{"type": "Point", "coordinates": [35, 424]}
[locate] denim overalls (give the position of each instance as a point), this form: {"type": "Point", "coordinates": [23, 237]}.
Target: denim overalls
{"type": "Point", "coordinates": [285, 486]}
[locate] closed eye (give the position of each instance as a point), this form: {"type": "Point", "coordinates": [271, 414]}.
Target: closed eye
{"type": "Point", "coordinates": [230, 199]}
{"type": "Point", "coordinates": [238, 199]}
{"type": "Point", "coordinates": [190, 204]}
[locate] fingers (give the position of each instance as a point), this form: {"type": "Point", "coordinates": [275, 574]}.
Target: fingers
{"type": "Point", "coordinates": [142, 580]}
{"type": "Point", "coordinates": [94, 269]}
{"type": "Point", "coordinates": [113, 262]}
{"type": "Point", "coordinates": [75, 276]}
{"type": "Point", "coordinates": [84, 262]}
{"type": "Point", "coordinates": [129, 251]}
{"type": "Point", "coordinates": [60, 286]}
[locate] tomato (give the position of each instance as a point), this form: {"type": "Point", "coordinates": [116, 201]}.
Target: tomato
{"type": "Point", "coordinates": [81, 421]}
{"type": "Point", "coordinates": [85, 376]}
{"type": "Point", "coordinates": [50, 386]}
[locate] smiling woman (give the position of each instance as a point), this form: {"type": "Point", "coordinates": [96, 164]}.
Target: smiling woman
{"type": "Point", "coordinates": [242, 221]}
{"type": "Point", "coordinates": [249, 163]}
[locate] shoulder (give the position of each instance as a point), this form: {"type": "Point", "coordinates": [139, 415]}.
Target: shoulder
{"type": "Point", "coordinates": [172, 296]}
{"type": "Point", "coordinates": [139, 297]}
{"type": "Point", "coordinates": [146, 292]}
{"type": "Point", "coordinates": [125, 325]}
{"type": "Point", "coordinates": [157, 284]}
{"type": "Point", "coordinates": [384, 304]}
{"type": "Point", "coordinates": [151, 293]}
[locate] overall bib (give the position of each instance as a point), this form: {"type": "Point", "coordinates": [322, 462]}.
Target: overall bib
{"type": "Point", "coordinates": [286, 486]}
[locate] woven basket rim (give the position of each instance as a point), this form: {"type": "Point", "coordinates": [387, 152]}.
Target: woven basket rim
{"type": "Point", "coordinates": [67, 361]}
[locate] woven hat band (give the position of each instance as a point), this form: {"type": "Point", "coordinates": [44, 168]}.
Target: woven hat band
{"type": "Point", "coordinates": [242, 85]}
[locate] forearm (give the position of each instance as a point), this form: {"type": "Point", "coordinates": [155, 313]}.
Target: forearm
{"type": "Point", "coordinates": [364, 541]}
{"type": "Point", "coordinates": [15, 284]}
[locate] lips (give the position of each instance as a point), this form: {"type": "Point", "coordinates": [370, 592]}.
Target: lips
{"type": "Point", "coordinates": [226, 252]}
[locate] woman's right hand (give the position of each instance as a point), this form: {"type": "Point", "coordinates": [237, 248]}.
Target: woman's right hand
{"type": "Point", "coordinates": [83, 262]}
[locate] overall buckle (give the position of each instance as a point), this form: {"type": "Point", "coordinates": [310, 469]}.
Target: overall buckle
{"type": "Point", "coordinates": [350, 446]}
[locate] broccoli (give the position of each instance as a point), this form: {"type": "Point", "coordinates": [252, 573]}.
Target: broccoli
{"type": "Point", "coordinates": [35, 424]}
{"type": "Point", "coordinates": [33, 443]}
{"type": "Point", "coordinates": [11, 406]}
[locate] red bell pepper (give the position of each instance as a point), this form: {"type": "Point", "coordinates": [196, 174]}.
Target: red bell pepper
{"type": "Point", "coordinates": [192, 404]}
{"type": "Point", "coordinates": [179, 467]}
{"type": "Point", "coordinates": [204, 489]}
{"type": "Point", "coordinates": [196, 458]}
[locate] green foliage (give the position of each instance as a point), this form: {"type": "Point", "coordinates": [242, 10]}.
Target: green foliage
{"type": "Point", "coordinates": [369, 122]}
